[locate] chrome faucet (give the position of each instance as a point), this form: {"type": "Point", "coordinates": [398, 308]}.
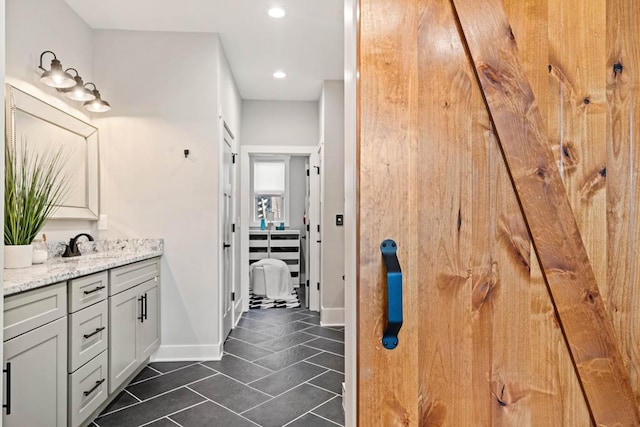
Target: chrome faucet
{"type": "Point", "coordinates": [72, 248]}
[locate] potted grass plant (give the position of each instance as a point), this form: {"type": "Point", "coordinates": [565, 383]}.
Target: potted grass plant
{"type": "Point", "coordinates": [34, 184]}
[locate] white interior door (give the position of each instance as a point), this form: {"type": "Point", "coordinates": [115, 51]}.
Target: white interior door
{"type": "Point", "coordinates": [236, 292]}
{"type": "Point", "coordinates": [227, 238]}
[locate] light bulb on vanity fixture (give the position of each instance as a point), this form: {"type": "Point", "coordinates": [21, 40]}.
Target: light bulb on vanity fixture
{"type": "Point", "coordinates": [79, 92]}
{"type": "Point", "coordinates": [276, 12]}
{"type": "Point", "coordinates": [97, 105]}
{"type": "Point", "coordinates": [55, 76]}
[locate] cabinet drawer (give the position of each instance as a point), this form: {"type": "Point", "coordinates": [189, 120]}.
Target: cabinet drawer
{"type": "Point", "coordinates": [88, 334]}
{"type": "Point", "coordinates": [285, 255]}
{"type": "Point", "coordinates": [87, 290]}
{"type": "Point", "coordinates": [29, 310]}
{"type": "Point", "coordinates": [87, 389]}
{"type": "Point", "coordinates": [123, 278]}
{"type": "Point", "coordinates": [295, 244]}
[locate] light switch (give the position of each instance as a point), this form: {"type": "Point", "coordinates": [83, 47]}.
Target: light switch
{"type": "Point", "coordinates": [340, 220]}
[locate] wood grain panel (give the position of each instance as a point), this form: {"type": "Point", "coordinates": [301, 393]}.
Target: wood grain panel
{"type": "Point", "coordinates": [619, 175]}
{"type": "Point", "coordinates": [556, 397]}
{"type": "Point", "coordinates": [623, 96]}
{"type": "Point", "coordinates": [632, 331]}
{"type": "Point", "coordinates": [545, 205]}
{"type": "Point", "coordinates": [582, 37]}
{"type": "Point", "coordinates": [510, 378]}
{"type": "Point", "coordinates": [387, 147]}
{"type": "Point", "coordinates": [446, 97]}
{"type": "Point", "coordinates": [511, 374]}
{"type": "Point", "coordinates": [483, 267]}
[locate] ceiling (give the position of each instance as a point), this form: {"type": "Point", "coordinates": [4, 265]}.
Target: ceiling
{"type": "Point", "coordinates": [307, 43]}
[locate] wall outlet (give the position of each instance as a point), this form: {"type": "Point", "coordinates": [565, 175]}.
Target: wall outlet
{"type": "Point", "coordinates": [103, 222]}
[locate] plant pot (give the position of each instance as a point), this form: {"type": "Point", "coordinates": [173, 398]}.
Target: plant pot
{"type": "Point", "coordinates": [18, 256]}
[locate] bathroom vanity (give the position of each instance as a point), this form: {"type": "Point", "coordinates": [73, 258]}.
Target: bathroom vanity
{"type": "Point", "coordinates": [76, 331]}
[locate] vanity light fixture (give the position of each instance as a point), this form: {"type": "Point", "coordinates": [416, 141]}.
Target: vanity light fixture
{"type": "Point", "coordinates": [97, 105]}
{"type": "Point", "coordinates": [55, 76]}
{"type": "Point", "coordinates": [72, 86]}
{"type": "Point", "coordinates": [279, 74]}
{"type": "Point", "coordinates": [79, 92]}
{"type": "Point", "coordinates": [276, 12]}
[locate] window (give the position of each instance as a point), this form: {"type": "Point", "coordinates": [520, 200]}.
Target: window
{"type": "Point", "coordinates": [270, 185]}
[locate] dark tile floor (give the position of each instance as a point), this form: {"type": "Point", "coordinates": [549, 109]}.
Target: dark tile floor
{"type": "Point", "coordinates": [279, 369]}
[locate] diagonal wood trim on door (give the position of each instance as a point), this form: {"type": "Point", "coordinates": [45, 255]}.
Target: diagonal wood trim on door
{"type": "Point", "coordinates": [545, 206]}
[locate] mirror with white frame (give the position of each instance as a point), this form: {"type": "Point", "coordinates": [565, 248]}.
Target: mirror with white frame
{"type": "Point", "coordinates": [42, 127]}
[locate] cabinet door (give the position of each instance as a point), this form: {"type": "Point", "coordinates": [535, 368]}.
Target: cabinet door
{"type": "Point", "coordinates": [124, 310]}
{"type": "Point", "coordinates": [38, 386]}
{"type": "Point", "coordinates": [149, 337]}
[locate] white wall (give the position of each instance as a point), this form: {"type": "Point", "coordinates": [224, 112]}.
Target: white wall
{"type": "Point", "coordinates": [164, 92]}
{"type": "Point", "coordinates": [280, 123]}
{"type": "Point", "coordinates": [332, 175]}
{"type": "Point", "coordinates": [33, 26]}
{"type": "Point", "coordinates": [228, 93]}
{"type": "Point", "coordinates": [284, 123]}
{"type": "Point", "coordinates": [167, 91]}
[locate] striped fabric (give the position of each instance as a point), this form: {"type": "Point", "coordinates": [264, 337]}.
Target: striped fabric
{"type": "Point", "coordinates": [264, 302]}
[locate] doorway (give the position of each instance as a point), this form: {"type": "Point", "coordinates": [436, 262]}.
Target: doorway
{"type": "Point", "coordinates": [311, 233]}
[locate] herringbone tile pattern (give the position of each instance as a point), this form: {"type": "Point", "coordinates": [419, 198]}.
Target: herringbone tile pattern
{"type": "Point", "coordinates": [280, 368]}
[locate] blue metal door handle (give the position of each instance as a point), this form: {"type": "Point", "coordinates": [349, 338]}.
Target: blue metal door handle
{"type": "Point", "coordinates": [394, 294]}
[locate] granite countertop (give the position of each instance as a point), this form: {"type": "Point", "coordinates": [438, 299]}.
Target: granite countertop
{"type": "Point", "coordinates": [96, 256]}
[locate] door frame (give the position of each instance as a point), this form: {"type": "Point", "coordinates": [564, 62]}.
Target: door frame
{"type": "Point", "coordinates": [316, 175]}
{"type": "Point", "coordinates": [245, 152]}
{"type": "Point", "coordinates": [2, 131]}
{"type": "Point", "coordinates": [225, 130]}
{"type": "Point", "coordinates": [350, 396]}
{"type": "Point", "coordinates": [307, 236]}
{"type": "Point", "coordinates": [234, 193]}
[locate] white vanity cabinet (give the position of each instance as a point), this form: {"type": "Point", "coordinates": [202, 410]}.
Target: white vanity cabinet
{"type": "Point", "coordinates": [134, 304]}
{"type": "Point", "coordinates": [70, 347]}
{"type": "Point", "coordinates": [35, 358]}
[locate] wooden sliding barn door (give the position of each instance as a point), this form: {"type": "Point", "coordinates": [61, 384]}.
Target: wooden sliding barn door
{"type": "Point", "coordinates": [448, 169]}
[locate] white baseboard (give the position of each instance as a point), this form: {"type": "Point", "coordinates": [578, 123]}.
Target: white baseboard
{"type": "Point", "coordinates": [332, 317]}
{"type": "Point", "coordinates": [176, 353]}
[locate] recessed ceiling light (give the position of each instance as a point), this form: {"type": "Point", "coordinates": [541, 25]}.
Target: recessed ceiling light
{"type": "Point", "coordinates": [276, 12]}
{"type": "Point", "coordinates": [279, 74]}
